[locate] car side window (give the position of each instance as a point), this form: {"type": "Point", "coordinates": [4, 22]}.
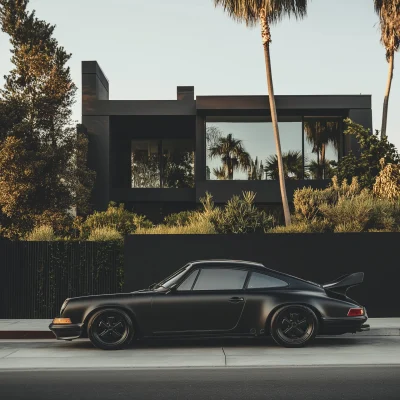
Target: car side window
{"type": "Point", "coordinates": [259, 281]}
{"type": "Point", "coordinates": [188, 282]}
{"type": "Point", "coordinates": [220, 279]}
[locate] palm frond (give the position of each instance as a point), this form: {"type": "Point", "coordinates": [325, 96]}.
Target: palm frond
{"type": "Point", "coordinates": [249, 11]}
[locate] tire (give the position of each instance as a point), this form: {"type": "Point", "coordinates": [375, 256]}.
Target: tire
{"type": "Point", "coordinates": [294, 326]}
{"type": "Point", "coordinates": [111, 329]}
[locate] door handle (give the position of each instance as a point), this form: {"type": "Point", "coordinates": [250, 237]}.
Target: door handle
{"type": "Point", "coordinates": [236, 299]}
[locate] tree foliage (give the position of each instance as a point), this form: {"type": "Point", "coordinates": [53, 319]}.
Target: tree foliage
{"type": "Point", "coordinates": [39, 143]}
{"type": "Point", "coordinates": [367, 165]}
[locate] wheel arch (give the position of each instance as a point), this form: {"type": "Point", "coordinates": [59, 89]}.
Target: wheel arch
{"type": "Point", "coordinates": [276, 308]}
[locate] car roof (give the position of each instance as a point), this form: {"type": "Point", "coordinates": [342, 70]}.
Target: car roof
{"type": "Point", "coordinates": [227, 262]}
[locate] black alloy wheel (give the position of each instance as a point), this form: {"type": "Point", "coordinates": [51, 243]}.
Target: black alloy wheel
{"type": "Point", "coordinates": [110, 329]}
{"type": "Point", "coordinates": [294, 326]}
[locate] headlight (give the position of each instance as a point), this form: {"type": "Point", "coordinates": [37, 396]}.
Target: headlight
{"type": "Point", "coordinates": [64, 306]}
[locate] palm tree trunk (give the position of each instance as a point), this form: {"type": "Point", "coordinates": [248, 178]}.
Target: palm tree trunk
{"type": "Point", "coordinates": [323, 150]}
{"type": "Point", "coordinates": [387, 94]}
{"type": "Point", "coordinates": [266, 38]}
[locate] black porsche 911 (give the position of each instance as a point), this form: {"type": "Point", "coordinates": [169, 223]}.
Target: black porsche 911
{"type": "Point", "coordinates": [216, 298]}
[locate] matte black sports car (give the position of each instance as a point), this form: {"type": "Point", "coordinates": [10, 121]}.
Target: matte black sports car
{"type": "Point", "coordinates": [216, 298]}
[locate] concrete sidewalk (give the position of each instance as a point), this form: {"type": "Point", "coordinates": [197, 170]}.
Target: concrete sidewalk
{"type": "Point", "coordinates": [39, 328]}
{"type": "Point", "coordinates": [80, 354]}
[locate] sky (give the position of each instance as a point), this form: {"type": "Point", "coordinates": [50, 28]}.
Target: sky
{"type": "Point", "coordinates": [148, 48]}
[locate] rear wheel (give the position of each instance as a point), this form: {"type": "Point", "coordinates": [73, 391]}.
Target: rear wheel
{"type": "Point", "coordinates": [294, 326]}
{"type": "Point", "coordinates": [110, 329]}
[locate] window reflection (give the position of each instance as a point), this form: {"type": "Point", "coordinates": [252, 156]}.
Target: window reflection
{"type": "Point", "coordinates": [162, 163]}
{"type": "Point", "coordinates": [245, 150]}
{"type": "Point", "coordinates": [178, 163]}
{"type": "Point", "coordinates": [145, 164]}
{"type": "Point", "coordinates": [322, 138]}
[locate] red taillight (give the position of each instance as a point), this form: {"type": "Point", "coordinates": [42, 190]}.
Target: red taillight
{"type": "Point", "coordinates": [355, 312]}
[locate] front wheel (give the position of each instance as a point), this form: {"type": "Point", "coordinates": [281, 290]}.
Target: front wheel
{"type": "Point", "coordinates": [110, 329]}
{"type": "Point", "coordinates": [294, 326]}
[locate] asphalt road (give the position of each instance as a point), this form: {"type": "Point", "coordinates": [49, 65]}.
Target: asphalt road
{"type": "Point", "coordinates": [359, 382]}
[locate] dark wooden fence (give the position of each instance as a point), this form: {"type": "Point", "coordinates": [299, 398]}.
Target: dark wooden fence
{"type": "Point", "coordinates": [36, 277]}
{"type": "Point", "coordinates": [316, 257]}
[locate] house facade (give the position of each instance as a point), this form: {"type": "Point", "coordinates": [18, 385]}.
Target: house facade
{"type": "Point", "coordinates": [162, 156]}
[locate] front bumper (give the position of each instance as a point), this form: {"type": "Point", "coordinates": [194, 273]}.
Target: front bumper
{"type": "Point", "coordinates": [67, 331]}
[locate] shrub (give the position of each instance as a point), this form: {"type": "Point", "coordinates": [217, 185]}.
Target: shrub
{"type": "Point", "coordinates": [308, 201]}
{"type": "Point", "coordinates": [200, 227]}
{"type": "Point", "coordinates": [116, 217]}
{"type": "Point", "coordinates": [387, 184]}
{"type": "Point", "coordinates": [105, 234]}
{"type": "Point", "coordinates": [178, 219]}
{"type": "Point", "coordinates": [314, 226]}
{"type": "Point", "coordinates": [241, 216]}
{"type": "Point", "coordinates": [353, 213]}
{"type": "Point", "coordinates": [343, 208]}
{"type": "Point", "coordinates": [43, 233]}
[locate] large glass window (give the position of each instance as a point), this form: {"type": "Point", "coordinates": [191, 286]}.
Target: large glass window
{"type": "Point", "coordinates": [220, 279]}
{"type": "Point", "coordinates": [162, 163]}
{"type": "Point", "coordinates": [322, 141]}
{"type": "Point", "coordinates": [244, 149]}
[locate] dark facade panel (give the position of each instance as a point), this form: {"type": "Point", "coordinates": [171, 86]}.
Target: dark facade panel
{"type": "Point", "coordinates": [185, 93]}
{"type": "Point", "coordinates": [267, 191]}
{"type": "Point", "coordinates": [140, 107]}
{"type": "Point", "coordinates": [283, 102]}
{"type": "Point", "coordinates": [153, 195]}
{"type": "Point", "coordinates": [92, 67]}
{"type": "Point", "coordinates": [98, 158]}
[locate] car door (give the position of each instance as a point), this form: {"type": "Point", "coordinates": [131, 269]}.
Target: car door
{"type": "Point", "coordinates": [209, 300]}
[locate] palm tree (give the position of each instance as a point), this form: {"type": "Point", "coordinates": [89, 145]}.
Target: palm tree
{"type": "Point", "coordinates": [389, 20]}
{"type": "Point", "coordinates": [292, 165]}
{"type": "Point", "coordinates": [320, 133]}
{"type": "Point", "coordinates": [268, 12]}
{"type": "Point", "coordinates": [233, 156]}
{"type": "Point", "coordinates": [256, 170]}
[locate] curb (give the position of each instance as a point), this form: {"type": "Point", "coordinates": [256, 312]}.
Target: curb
{"type": "Point", "coordinates": [26, 335]}
{"type": "Point", "coordinates": [15, 335]}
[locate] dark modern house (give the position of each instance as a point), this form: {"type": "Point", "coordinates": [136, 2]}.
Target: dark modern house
{"type": "Point", "coordinates": [162, 156]}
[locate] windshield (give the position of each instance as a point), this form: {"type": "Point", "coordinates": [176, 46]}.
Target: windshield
{"type": "Point", "coordinates": [171, 280]}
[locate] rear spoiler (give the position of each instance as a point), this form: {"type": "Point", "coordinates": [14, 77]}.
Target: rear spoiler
{"type": "Point", "coordinates": [344, 283]}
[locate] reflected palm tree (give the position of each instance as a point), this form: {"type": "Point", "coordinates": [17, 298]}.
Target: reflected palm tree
{"type": "Point", "coordinates": [316, 170]}
{"type": "Point", "coordinates": [256, 170]}
{"type": "Point", "coordinates": [233, 156]}
{"type": "Point", "coordinates": [292, 165]}
{"type": "Point", "coordinates": [320, 134]}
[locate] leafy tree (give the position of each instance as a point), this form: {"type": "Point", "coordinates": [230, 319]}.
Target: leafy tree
{"type": "Point", "coordinates": [233, 156]}
{"type": "Point", "coordinates": [36, 126]}
{"type": "Point", "coordinates": [389, 20]}
{"type": "Point", "coordinates": [267, 12]}
{"type": "Point", "coordinates": [367, 165]}
{"type": "Point", "coordinates": [292, 165]}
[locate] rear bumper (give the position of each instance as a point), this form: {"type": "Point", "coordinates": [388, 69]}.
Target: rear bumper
{"type": "Point", "coordinates": [67, 332]}
{"type": "Point", "coordinates": [338, 326]}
